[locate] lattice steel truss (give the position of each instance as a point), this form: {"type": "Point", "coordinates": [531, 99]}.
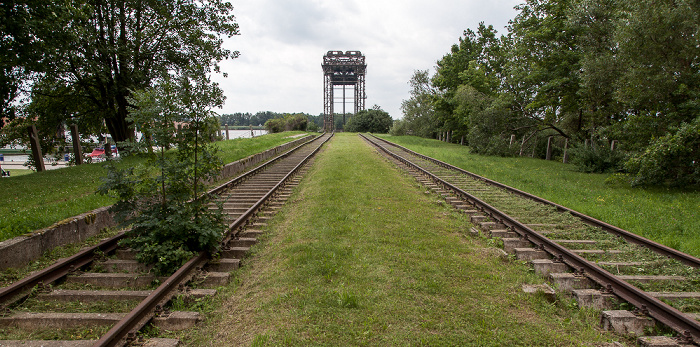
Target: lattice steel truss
{"type": "Point", "coordinates": [342, 69]}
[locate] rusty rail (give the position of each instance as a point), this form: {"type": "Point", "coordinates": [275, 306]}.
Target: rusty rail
{"type": "Point", "coordinates": [657, 309]}
{"type": "Point", "coordinates": [630, 237]}
{"type": "Point", "coordinates": [139, 316]}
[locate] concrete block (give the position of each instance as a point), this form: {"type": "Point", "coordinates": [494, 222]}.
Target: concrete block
{"type": "Point", "coordinates": [216, 279]}
{"type": "Point", "coordinates": [545, 289]}
{"type": "Point", "coordinates": [529, 254]}
{"type": "Point", "coordinates": [567, 282]}
{"type": "Point", "coordinates": [647, 279]}
{"type": "Point", "coordinates": [477, 219]}
{"type": "Point", "coordinates": [177, 320]}
{"type": "Point", "coordinates": [658, 341]}
{"type": "Point", "coordinates": [503, 233]}
{"type": "Point", "coordinates": [94, 295]}
{"type": "Point", "coordinates": [235, 252]}
{"type": "Point", "coordinates": [201, 293]}
{"type": "Point", "coordinates": [161, 342]}
{"type": "Point", "coordinates": [486, 226]}
{"type": "Point", "coordinates": [470, 212]}
{"type": "Point", "coordinates": [510, 244]}
{"type": "Point", "coordinates": [595, 298]}
{"type": "Point", "coordinates": [675, 296]}
{"type": "Point", "coordinates": [254, 233]}
{"type": "Point", "coordinates": [243, 242]}
{"type": "Point", "coordinates": [119, 265]}
{"type": "Point", "coordinates": [37, 321]}
{"type": "Point", "coordinates": [224, 265]}
{"type": "Point", "coordinates": [625, 322]}
{"type": "Point", "coordinates": [544, 267]}
{"type": "Point", "coordinates": [474, 231]}
{"type": "Point", "coordinates": [114, 280]}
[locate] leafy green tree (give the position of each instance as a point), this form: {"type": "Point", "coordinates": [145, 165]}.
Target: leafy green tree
{"type": "Point", "coordinates": [98, 52]}
{"type": "Point", "coordinates": [374, 120]}
{"type": "Point", "coordinates": [162, 199]}
{"type": "Point", "coordinates": [544, 64]}
{"type": "Point", "coordinates": [659, 50]}
{"type": "Point", "coordinates": [672, 159]}
{"type": "Point", "coordinates": [288, 122]}
{"type": "Point", "coordinates": [418, 110]}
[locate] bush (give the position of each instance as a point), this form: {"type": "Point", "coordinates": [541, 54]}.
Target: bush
{"type": "Point", "coordinates": [673, 159]}
{"type": "Point", "coordinates": [289, 122]}
{"type": "Point", "coordinates": [597, 158]}
{"type": "Point", "coordinates": [375, 120]}
{"type": "Point", "coordinates": [399, 128]}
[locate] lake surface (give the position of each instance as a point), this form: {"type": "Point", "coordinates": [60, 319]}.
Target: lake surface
{"type": "Point", "coordinates": [232, 134]}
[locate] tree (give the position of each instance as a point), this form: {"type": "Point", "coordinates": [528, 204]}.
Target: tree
{"type": "Point", "coordinates": [162, 199]}
{"type": "Point", "coordinates": [659, 49]}
{"type": "Point", "coordinates": [97, 52]}
{"type": "Point", "coordinates": [288, 122]}
{"type": "Point", "coordinates": [374, 120]}
{"type": "Point", "coordinates": [418, 110]}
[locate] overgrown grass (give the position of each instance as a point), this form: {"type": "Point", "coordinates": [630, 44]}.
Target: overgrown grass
{"type": "Point", "coordinates": [668, 216]}
{"type": "Point", "coordinates": [361, 255]}
{"type": "Point", "coordinates": [38, 200]}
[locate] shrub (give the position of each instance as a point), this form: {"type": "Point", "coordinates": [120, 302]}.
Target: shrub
{"type": "Point", "coordinates": [162, 199]}
{"type": "Point", "coordinates": [597, 158]}
{"type": "Point", "coordinates": [673, 159]}
{"type": "Point", "coordinates": [375, 120]}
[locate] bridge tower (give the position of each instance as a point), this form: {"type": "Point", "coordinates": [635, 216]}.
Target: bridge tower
{"type": "Point", "coordinates": [342, 69]}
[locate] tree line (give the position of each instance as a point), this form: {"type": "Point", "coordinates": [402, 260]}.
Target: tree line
{"type": "Point", "coordinates": [585, 72]}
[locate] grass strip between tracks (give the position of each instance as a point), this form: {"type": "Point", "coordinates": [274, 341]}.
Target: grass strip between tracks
{"type": "Point", "coordinates": [667, 216]}
{"type": "Point", "coordinates": [362, 255]}
{"type": "Point", "coordinates": [38, 200]}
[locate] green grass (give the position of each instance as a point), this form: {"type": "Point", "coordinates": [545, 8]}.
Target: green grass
{"type": "Point", "coordinates": [362, 255]}
{"type": "Point", "coordinates": [668, 216]}
{"type": "Point", "coordinates": [18, 172]}
{"type": "Point", "coordinates": [38, 200]}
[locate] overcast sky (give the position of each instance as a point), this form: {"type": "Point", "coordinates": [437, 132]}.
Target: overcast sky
{"type": "Point", "coordinates": [282, 44]}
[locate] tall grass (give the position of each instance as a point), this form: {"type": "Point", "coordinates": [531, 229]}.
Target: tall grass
{"type": "Point", "coordinates": [668, 216]}
{"type": "Point", "coordinates": [38, 200]}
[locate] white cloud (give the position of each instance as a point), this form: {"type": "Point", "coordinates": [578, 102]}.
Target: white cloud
{"type": "Point", "coordinates": [282, 44]}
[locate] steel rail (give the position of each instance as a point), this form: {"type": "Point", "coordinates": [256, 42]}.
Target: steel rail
{"type": "Point", "coordinates": [63, 267]}
{"type": "Point", "coordinates": [242, 177]}
{"type": "Point", "coordinates": [141, 314]}
{"type": "Point", "coordinates": [629, 236]}
{"type": "Point", "coordinates": [58, 270]}
{"type": "Point", "coordinates": [657, 309]}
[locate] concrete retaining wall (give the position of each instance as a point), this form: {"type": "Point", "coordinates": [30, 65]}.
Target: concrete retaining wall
{"type": "Point", "coordinates": [24, 249]}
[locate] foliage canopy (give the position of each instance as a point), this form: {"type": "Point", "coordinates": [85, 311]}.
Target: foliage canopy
{"type": "Point", "coordinates": [580, 71]}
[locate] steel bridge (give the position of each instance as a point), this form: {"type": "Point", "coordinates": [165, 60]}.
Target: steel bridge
{"type": "Point", "coordinates": [342, 69]}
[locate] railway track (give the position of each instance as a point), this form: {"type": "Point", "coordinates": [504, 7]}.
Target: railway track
{"type": "Point", "coordinates": [599, 264]}
{"type": "Point", "coordinates": [111, 297]}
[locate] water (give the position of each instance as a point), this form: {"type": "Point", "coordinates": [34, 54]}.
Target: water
{"type": "Point", "coordinates": [242, 134]}
{"type": "Point", "coordinates": [233, 134]}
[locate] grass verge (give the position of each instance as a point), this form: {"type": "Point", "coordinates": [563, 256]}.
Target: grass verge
{"type": "Point", "coordinates": [362, 255]}
{"type": "Point", "coordinates": [667, 216]}
{"type": "Point", "coordinates": [38, 200]}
